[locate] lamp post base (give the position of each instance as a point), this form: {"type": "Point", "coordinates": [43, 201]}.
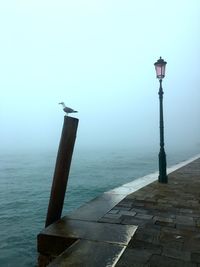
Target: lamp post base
{"type": "Point", "coordinates": [162, 178]}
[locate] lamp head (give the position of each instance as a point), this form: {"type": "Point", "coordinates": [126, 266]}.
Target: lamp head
{"type": "Point", "coordinates": [160, 68]}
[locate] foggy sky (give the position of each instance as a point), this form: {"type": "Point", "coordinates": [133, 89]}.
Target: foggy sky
{"type": "Point", "coordinates": [97, 57]}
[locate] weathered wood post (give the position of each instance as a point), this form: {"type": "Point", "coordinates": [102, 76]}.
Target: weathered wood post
{"type": "Point", "coordinates": [62, 169]}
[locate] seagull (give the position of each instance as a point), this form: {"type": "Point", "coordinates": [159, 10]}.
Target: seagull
{"type": "Point", "coordinates": [66, 109]}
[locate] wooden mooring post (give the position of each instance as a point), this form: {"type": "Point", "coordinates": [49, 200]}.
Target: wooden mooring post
{"type": "Point", "coordinates": [62, 169]}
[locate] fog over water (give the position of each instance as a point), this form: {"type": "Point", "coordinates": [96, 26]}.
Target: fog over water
{"type": "Point", "coordinates": [97, 57]}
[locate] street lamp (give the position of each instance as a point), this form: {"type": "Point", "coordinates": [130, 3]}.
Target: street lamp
{"type": "Point", "coordinates": [160, 73]}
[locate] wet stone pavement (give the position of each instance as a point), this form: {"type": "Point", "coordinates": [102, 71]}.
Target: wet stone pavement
{"type": "Point", "coordinates": [168, 219]}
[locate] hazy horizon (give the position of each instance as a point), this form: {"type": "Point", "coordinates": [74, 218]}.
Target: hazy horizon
{"type": "Point", "coordinates": [97, 57]}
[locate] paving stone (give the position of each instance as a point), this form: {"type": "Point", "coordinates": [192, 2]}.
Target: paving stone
{"type": "Point", "coordinates": [138, 203]}
{"type": "Point", "coordinates": [139, 210]}
{"type": "Point", "coordinates": [127, 204]}
{"type": "Point", "coordinates": [131, 264]}
{"type": "Point", "coordinates": [171, 235]}
{"type": "Point", "coordinates": [188, 211]}
{"type": "Point", "coordinates": [132, 256]}
{"type": "Point", "coordinates": [173, 245]}
{"type": "Point", "coordinates": [149, 225]}
{"type": "Point", "coordinates": [193, 202]}
{"type": "Point", "coordinates": [164, 261]}
{"type": "Point", "coordinates": [176, 253]}
{"type": "Point", "coordinates": [164, 221]}
{"type": "Point", "coordinates": [164, 207]}
{"type": "Point", "coordinates": [130, 220]}
{"type": "Point", "coordinates": [165, 214]}
{"type": "Point", "coordinates": [141, 197]}
{"type": "Point", "coordinates": [144, 216]}
{"type": "Point", "coordinates": [114, 211]}
{"type": "Point", "coordinates": [192, 245]}
{"type": "Point", "coordinates": [185, 220]}
{"type": "Point", "coordinates": [110, 220]}
{"type": "Point", "coordinates": [112, 216]}
{"type": "Point", "coordinates": [147, 235]}
{"type": "Point", "coordinates": [195, 257]}
{"type": "Point", "coordinates": [163, 201]}
{"type": "Point", "coordinates": [139, 244]}
{"type": "Point", "coordinates": [185, 227]}
{"type": "Point", "coordinates": [127, 212]}
{"type": "Point", "coordinates": [122, 208]}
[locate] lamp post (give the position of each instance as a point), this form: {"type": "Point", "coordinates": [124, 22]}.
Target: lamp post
{"type": "Point", "coordinates": [160, 73]}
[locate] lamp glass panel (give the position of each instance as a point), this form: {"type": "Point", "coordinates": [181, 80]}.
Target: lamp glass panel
{"type": "Point", "coordinates": [163, 70]}
{"type": "Point", "coordinates": [159, 71]}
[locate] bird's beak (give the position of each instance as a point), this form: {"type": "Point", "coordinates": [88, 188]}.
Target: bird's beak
{"type": "Point", "coordinates": [59, 103]}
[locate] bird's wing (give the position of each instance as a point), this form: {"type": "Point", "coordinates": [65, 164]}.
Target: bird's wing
{"type": "Point", "coordinates": [68, 110]}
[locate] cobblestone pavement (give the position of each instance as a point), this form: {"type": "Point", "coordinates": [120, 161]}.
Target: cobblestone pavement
{"type": "Point", "coordinates": [168, 216]}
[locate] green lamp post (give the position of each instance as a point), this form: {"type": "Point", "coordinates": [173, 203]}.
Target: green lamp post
{"type": "Point", "coordinates": [160, 73]}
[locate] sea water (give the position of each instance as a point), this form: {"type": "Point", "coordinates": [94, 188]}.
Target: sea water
{"type": "Point", "coordinates": [25, 184]}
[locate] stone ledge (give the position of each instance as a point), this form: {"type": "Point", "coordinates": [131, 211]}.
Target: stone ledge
{"type": "Point", "coordinates": [63, 240]}
{"type": "Point", "coordinates": [85, 253]}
